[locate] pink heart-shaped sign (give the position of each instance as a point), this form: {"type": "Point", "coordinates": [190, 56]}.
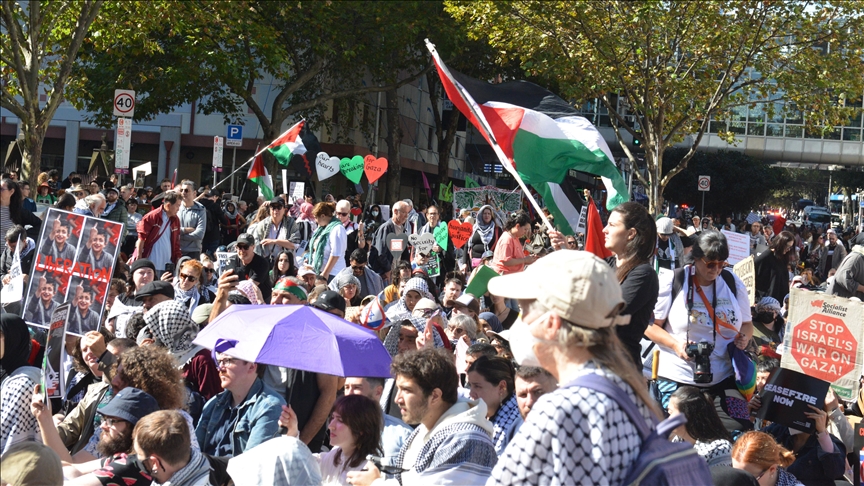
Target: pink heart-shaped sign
{"type": "Point", "coordinates": [374, 168]}
{"type": "Point", "coordinates": [459, 232]}
{"type": "Point", "coordinates": [356, 211]}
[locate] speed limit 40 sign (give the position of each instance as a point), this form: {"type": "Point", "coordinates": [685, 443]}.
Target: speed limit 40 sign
{"type": "Point", "coordinates": [124, 103]}
{"type": "Point", "coordinates": [704, 183]}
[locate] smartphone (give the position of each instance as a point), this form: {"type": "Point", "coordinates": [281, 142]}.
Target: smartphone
{"type": "Point", "coordinates": [169, 267]}
{"type": "Point", "coordinates": [233, 263]}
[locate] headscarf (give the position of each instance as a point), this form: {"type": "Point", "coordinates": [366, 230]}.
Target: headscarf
{"type": "Point", "coordinates": [16, 340]}
{"type": "Point", "coordinates": [305, 212]}
{"type": "Point", "coordinates": [487, 231]}
{"type": "Point", "coordinates": [232, 215]}
{"type": "Point", "coordinates": [249, 290]}
{"type": "Point", "coordinates": [343, 279]}
{"type": "Point", "coordinates": [285, 284]}
{"type": "Point", "coordinates": [493, 321]}
{"type": "Point", "coordinates": [391, 341]}
{"type": "Point", "coordinates": [417, 284]}
{"type": "Point", "coordinates": [173, 329]}
{"type": "Point", "coordinates": [769, 303]}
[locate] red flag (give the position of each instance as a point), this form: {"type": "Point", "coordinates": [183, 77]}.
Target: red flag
{"type": "Point", "coordinates": [595, 241]}
{"type": "Point", "coordinates": [779, 223]}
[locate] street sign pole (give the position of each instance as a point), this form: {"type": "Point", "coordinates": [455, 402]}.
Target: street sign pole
{"type": "Point", "coordinates": [233, 168]}
{"type": "Point", "coordinates": [703, 205]}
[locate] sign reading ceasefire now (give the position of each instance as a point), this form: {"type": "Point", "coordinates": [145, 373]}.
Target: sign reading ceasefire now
{"type": "Point", "coordinates": [823, 339]}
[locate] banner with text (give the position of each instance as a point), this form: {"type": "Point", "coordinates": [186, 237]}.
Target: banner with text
{"type": "Point", "coordinates": [739, 246]}
{"type": "Point", "coordinates": [746, 271]}
{"type": "Point", "coordinates": [53, 378]}
{"type": "Point", "coordinates": [74, 264]}
{"type": "Point", "coordinates": [823, 340]}
{"type": "Point", "coordinates": [788, 396]}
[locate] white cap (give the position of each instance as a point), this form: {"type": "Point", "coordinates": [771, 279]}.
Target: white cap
{"type": "Point", "coordinates": [665, 226]}
{"type": "Point", "coordinates": [580, 287]}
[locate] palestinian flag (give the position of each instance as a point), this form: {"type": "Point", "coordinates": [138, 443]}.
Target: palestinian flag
{"type": "Point", "coordinates": [258, 174]}
{"type": "Point", "coordinates": [538, 136]}
{"type": "Point", "coordinates": [288, 144]}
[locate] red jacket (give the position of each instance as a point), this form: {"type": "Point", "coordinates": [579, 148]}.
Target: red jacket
{"type": "Point", "coordinates": [150, 228]}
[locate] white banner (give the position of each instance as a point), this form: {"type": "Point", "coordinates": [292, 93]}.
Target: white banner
{"type": "Point", "coordinates": [217, 154]}
{"type": "Point", "coordinates": [123, 145]}
{"type": "Point", "coordinates": [739, 246]}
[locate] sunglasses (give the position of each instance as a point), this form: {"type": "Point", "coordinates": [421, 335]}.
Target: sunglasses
{"type": "Point", "coordinates": [188, 277]}
{"type": "Point", "coordinates": [359, 268]}
{"type": "Point", "coordinates": [276, 207]}
{"type": "Point", "coordinates": [341, 214]}
{"type": "Point", "coordinates": [241, 246]}
{"type": "Point", "coordinates": [571, 242]}
{"type": "Point", "coordinates": [713, 264]}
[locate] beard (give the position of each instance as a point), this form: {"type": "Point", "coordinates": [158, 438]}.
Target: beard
{"type": "Point", "coordinates": [415, 416]}
{"type": "Point", "coordinates": [108, 446]}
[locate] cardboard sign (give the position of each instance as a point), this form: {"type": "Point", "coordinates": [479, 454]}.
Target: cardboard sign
{"type": "Point", "coordinates": [326, 166]}
{"type": "Point", "coordinates": [823, 340]}
{"type": "Point", "coordinates": [479, 284]}
{"type": "Point", "coordinates": [397, 244]}
{"type": "Point", "coordinates": [352, 168]}
{"type": "Point", "coordinates": [433, 267]}
{"type": "Point", "coordinates": [583, 219]}
{"type": "Point", "coordinates": [746, 271]}
{"type": "Point", "coordinates": [53, 377]}
{"type": "Point", "coordinates": [295, 191]}
{"type": "Point", "coordinates": [374, 168]}
{"type": "Point", "coordinates": [459, 232]}
{"type": "Point", "coordinates": [786, 397]}
{"type": "Point", "coordinates": [422, 243]}
{"type": "Point", "coordinates": [739, 246]}
{"type": "Point", "coordinates": [441, 236]}
{"type": "Point", "coordinates": [74, 263]}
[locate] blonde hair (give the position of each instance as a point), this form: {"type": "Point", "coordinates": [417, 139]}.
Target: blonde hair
{"type": "Point", "coordinates": [762, 450]}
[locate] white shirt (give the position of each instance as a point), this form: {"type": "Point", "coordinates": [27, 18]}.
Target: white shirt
{"type": "Point", "coordinates": [160, 253]}
{"type": "Point", "coordinates": [337, 243]}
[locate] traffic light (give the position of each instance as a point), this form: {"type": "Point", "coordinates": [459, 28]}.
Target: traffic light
{"type": "Point", "coordinates": [637, 140]}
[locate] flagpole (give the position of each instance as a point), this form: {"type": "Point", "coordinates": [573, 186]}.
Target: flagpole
{"type": "Point", "coordinates": [481, 119]}
{"type": "Point", "coordinates": [259, 152]}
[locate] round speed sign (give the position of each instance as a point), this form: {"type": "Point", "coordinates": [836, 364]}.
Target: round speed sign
{"type": "Point", "coordinates": [704, 183]}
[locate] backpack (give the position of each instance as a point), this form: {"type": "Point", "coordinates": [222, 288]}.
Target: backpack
{"type": "Point", "coordinates": [660, 462]}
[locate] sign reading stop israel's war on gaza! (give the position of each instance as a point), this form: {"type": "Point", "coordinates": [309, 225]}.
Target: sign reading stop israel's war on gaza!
{"type": "Point", "coordinates": [824, 339]}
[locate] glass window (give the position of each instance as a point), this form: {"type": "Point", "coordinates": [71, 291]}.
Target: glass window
{"type": "Point", "coordinates": [815, 132]}
{"type": "Point", "coordinates": [833, 134]}
{"type": "Point", "coordinates": [794, 131]}
{"type": "Point", "coordinates": [852, 134]}
{"type": "Point", "coordinates": [738, 127]}
{"type": "Point", "coordinates": [757, 128]}
{"type": "Point", "coordinates": [775, 130]}
{"type": "Point", "coordinates": [716, 126]}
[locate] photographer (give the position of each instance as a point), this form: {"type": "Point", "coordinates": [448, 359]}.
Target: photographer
{"type": "Point", "coordinates": [700, 311]}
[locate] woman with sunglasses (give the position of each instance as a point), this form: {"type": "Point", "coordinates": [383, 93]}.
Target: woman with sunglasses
{"type": "Point", "coordinates": [760, 455]}
{"type": "Point", "coordinates": [701, 309]}
{"type": "Point", "coordinates": [186, 286]}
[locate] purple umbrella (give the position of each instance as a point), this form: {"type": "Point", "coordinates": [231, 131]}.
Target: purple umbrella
{"type": "Point", "coordinates": [299, 337]}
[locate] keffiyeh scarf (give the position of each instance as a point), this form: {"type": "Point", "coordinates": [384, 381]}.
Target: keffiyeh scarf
{"type": "Point", "coordinates": [194, 472]}
{"type": "Point", "coordinates": [416, 284]}
{"type": "Point", "coordinates": [173, 329]}
{"type": "Point", "coordinates": [318, 242]}
{"type": "Point", "coordinates": [189, 298]}
{"type": "Point", "coordinates": [391, 341]}
{"type": "Point", "coordinates": [486, 231]}
{"type": "Point", "coordinates": [507, 414]}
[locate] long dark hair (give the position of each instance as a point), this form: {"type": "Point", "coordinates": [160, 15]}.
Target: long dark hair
{"type": "Point", "coordinates": [15, 200]}
{"type": "Point", "coordinates": [778, 247]}
{"type": "Point", "coordinates": [641, 248]}
{"type": "Point", "coordinates": [519, 218]}
{"type": "Point", "coordinates": [292, 268]}
{"type": "Point", "coordinates": [703, 424]}
{"type": "Point", "coordinates": [363, 416]}
{"type": "Point", "coordinates": [65, 201]}
{"type": "Point", "coordinates": [495, 370]}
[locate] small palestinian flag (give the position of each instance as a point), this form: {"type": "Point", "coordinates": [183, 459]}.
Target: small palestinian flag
{"type": "Point", "coordinates": [258, 174]}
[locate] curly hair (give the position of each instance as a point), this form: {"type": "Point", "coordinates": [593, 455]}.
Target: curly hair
{"type": "Point", "coordinates": [429, 369]}
{"type": "Point", "coordinates": [153, 370]}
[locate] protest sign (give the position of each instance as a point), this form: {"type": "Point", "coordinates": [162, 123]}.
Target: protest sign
{"type": "Point", "coordinates": [504, 201]}
{"type": "Point", "coordinates": [74, 263]}
{"type": "Point", "coordinates": [53, 384]}
{"type": "Point", "coordinates": [739, 246]}
{"type": "Point", "coordinates": [441, 235]}
{"type": "Point", "coordinates": [786, 397]}
{"type": "Point", "coordinates": [13, 290]}
{"type": "Point", "coordinates": [459, 232]}
{"type": "Point", "coordinates": [433, 267]}
{"type": "Point", "coordinates": [583, 219]}
{"type": "Point", "coordinates": [422, 243]}
{"type": "Point", "coordinates": [479, 283]}
{"type": "Point", "coordinates": [823, 340]}
{"type": "Point", "coordinates": [295, 191]}
{"type": "Point", "coordinates": [746, 271]}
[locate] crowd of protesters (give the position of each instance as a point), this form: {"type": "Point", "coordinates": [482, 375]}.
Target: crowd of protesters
{"type": "Point", "coordinates": [489, 383]}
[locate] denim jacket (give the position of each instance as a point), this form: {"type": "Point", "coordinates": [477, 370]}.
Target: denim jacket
{"type": "Point", "coordinates": [257, 420]}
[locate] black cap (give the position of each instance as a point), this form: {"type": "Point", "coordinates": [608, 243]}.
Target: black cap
{"type": "Point", "coordinates": [329, 300]}
{"type": "Point", "coordinates": [155, 288]}
{"type": "Point", "coordinates": [131, 405]}
{"type": "Point", "coordinates": [278, 200]}
{"type": "Point", "coordinates": [246, 239]}
{"type": "Point", "coordinates": [142, 263]}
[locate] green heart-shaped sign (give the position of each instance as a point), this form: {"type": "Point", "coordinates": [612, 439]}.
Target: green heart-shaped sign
{"type": "Point", "coordinates": [441, 236]}
{"type": "Point", "coordinates": [352, 168]}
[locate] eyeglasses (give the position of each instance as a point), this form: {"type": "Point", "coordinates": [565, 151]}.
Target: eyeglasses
{"type": "Point", "coordinates": [713, 264]}
{"type": "Point", "coordinates": [241, 246]}
{"type": "Point", "coordinates": [571, 242]}
{"type": "Point", "coordinates": [762, 474]}
{"type": "Point", "coordinates": [188, 277]}
{"type": "Point", "coordinates": [341, 214]}
{"type": "Point", "coordinates": [110, 421]}
{"type": "Point", "coordinates": [225, 362]}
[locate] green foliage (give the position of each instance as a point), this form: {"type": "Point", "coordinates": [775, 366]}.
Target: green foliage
{"type": "Point", "coordinates": [738, 181]}
{"type": "Point", "coordinates": [680, 63]}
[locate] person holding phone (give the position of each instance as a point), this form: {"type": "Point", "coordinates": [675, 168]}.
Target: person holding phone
{"type": "Point", "coordinates": [253, 266]}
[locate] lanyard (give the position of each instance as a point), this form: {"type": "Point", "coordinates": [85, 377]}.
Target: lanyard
{"type": "Point", "coordinates": [710, 307]}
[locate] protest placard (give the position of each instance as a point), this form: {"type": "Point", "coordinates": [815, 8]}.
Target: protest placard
{"type": "Point", "coordinates": [739, 246]}
{"type": "Point", "coordinates": [433, 267]}
{"type": "Point", "coordinates": [746, 271]}
{"type": "Point", "coordinates": [823, 340]}
{"type": "Point", "coordinates": [53, 378]}
{"type": "Point", "coordinates": [786, 397]}
{"type": "Point", "coordinates": [74, 263]}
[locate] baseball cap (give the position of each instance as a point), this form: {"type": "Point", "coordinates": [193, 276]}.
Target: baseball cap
{"type": "Point", "coordinates": [277, 200]}
{"type": "Point", "coordinates": [155, 288]}
{"type": "Point", "coordinates": [31, 462]}
{"type": "Point", "coordinates": [246, 239]}
{"type": "Point", "coordinates": [664, 226]}
{"type": "Point", "coordinates": [201, 314]}
{"type": "Point", "coordinates": [469, 301]}
{"type": "Point", "coordinates": [580, 287]}
{"type": "Point", "coordinates": [304, 270]}
{"type": "Point", "coordinates": [831, 231]}
{"type": "Point", "coordinates": [142, 263]}
{"type": "Point", "coordinates": [505, 335]}
{"type": "Point", "coordinates": [330, 300]}
{"type": "Point", "coordinates": [131, 405]}
{"type": "Point", "coordinates": [424, 304]}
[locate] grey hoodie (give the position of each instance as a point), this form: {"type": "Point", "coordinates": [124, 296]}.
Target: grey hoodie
{"type": "Point", "coordinates": [194, 217]}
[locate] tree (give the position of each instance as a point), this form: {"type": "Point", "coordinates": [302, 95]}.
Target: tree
{"type": "Point", "coordinates": [40, 45]}
{"type": "Point", "coordinates": [679, 64]}
{"type": "Point", "coordinates": [739, 182]}
{"type": "Point", "coordinates": [215, 52]}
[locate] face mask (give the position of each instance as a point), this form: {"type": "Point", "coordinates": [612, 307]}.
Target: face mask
{"type": "Point", "coordinates": [522, 343]}
{"type": "Point", "coordinates": [374, 213]}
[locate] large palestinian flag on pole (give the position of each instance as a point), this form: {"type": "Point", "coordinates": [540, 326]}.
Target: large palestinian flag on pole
{"type": "Point", "coordinates": [288, 144]}
{"type": "Point", "coordinates": [540, 137]}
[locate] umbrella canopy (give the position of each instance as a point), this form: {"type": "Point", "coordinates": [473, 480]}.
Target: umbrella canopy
{"type": "Point", "coordinates": [299, 337]}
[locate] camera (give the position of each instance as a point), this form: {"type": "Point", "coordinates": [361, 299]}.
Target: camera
{"type": "Point", "coordinates": [700, 353]}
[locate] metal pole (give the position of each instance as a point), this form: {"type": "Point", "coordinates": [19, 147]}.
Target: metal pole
{"type": "Point", "coordinates": [703, 206]}
{"type": "Point", "coordinates": [828, 201]}
{"type": "Point", "coordinates": [233, 163]}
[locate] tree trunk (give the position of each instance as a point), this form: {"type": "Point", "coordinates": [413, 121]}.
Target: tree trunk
{"type": "Point", "coordinates": [445, 143]}
{"type": "Point", "coordinates": [655, 176]}
{"type": "Point", "coordinates": [393, 139]}
{"type": "Point", "coordinates": [31, 155]}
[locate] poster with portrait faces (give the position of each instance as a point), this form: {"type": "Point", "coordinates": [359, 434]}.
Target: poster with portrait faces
{"type": "Point", "coordinates": [74, 263]}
